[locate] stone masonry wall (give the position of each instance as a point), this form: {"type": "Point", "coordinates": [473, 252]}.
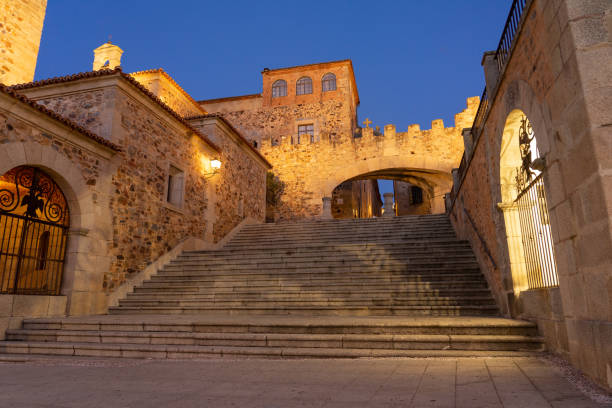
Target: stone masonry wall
{"type": "Point", "coordinates": [21, 23]}
{"type": "Point", "coordinates": [312, 170]}
{"type": "Point", "coordinates": [145, 226]}
{"type": "Point", "coordinates": [559, 76]}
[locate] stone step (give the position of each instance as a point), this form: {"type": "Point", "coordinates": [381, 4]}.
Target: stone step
{"type": "Point", "coordinates": [162, 287]}
{"type": "Point", "coordinates": [335, 302]}
{"type": "Point", "coordinates": [383, 256]}
{"type": "Point", "coordinates": [467, 310]}
{"type": "Point", "coordinates": [211, 323]}
{"type": "Point", "coordinates": [289, 286]}
{"type": "Point", "coordinates": [364, 247]}
{"type": "Point", "coordinates": [296, 278]}
{"type": "Point", "coordinates": [258, 245]}
{"type": "Point", "coordinates": [441, 265]}
{"type": "Point", "coordinates": [194, 352]}
{"type": "Point", "coordinates": [340, 341]}
{"type": "Point", "coordinates": [352, 273]}
{"type": "Point", "coordinates": [321, 294]}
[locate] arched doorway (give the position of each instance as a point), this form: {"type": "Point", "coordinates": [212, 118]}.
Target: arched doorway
{"type": "Point", "coordinates": [529, 236]}
{"type": "Point", "coordinates": [414, 192]}
{"type": "Point", "coordinates": [34, 222]}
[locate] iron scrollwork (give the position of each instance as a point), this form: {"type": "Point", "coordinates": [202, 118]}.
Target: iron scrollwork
{"type": "Point", "coordinates": [31, 193]}
{"type": "Point", "coordinates": [525, 173]}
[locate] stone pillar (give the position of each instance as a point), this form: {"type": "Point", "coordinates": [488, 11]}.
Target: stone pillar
{"type": "Point", "coordinates": [388, 205]}
{"type": "Point", "coordinates": [326, 210]}
{"type": "Point", "coordinates": [518, 268]}
{"type": "Point", "coordinates": [468, 143]}
{"type": "Point", "coordinates": [491, 71]}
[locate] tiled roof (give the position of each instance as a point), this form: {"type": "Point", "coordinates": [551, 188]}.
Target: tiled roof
{"type": "Point", "coordinates": [8, 91]}
{"type": "Point", "coordinates": [230, 98]}
{"type": "Point", "coordinates": [244, 139]}
{"type": "Point", "coordinates": [127, 77]}
{"type": "Point", "coordinates": [169, 78]}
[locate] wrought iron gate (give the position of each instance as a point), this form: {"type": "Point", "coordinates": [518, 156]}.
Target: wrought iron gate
{"type": "Point", "coordinates": [532, 208]}
{"type": "Point", "coordinates": [34, 221]}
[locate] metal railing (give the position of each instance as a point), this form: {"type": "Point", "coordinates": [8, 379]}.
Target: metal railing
{"type": "Point", "coordinates": [536, 236]}
{"type": "Point", "coordinates": [510, 29]}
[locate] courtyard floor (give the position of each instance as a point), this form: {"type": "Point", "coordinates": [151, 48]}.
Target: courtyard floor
{"type": "Point", "coordinates": [520, 382]}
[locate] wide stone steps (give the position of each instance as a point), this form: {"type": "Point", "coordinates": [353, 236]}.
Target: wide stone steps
{"type": "Point", "coordinates": [181, 337]}
{"type": "Point", "coordinates": [392, 287]}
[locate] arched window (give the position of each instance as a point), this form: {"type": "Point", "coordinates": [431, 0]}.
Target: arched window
{"type": "Point", "coordinates": [329, 82]}
{"type": "Point", "coordinates": [303, 86]}
{"type": "Point", "coordinates": [279, 88]}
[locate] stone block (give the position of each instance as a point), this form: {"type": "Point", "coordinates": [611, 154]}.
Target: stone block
{"type": "Point", "coordinates": [57, 306]}
{"type": "Point", "coordinates": [4, 325]}
{"type": "Point", "coordinates": [565, 223]}
{"type": "Point", "coordinates": [598, 291]}
{"type": "Point", "coordinates": [6, 305]}
{"type": "Point", "coordinates": [589, 31]}
{"type": "Point", "coordinates": [30, 306]}
{"type": "Point", "coordinates": [598, 102]}
{"type": "Point", "coordinates": [572, 291]}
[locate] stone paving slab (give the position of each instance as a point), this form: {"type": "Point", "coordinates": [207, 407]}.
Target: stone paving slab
{"type": "Point", "coordinates": [419, 382]}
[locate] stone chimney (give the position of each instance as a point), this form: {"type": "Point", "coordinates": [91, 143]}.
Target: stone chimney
{"type": "Point", "coordinates": [107, 56]}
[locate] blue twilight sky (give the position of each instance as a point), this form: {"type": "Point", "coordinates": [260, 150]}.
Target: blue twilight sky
{"type": "Point", "coordinates": [414, 60]}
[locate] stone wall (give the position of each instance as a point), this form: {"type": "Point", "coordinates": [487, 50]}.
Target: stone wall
{"type": "Point", "coordinates": [81, 165]}
{"type": "Point", "coordinates": [21, 23]}
{"type": "Point", "coordinates": [312, 170]}
{"type": "Point", "coordinates": [168, 91]}
{"type": "Point", "coordinates": [558, 76]}
{"type": "Point", "coordinates": [404, 203]}
{"type": "Point", "coordinates": [240, 186]}
{"type": "Point", "coordinates": [145, 225]}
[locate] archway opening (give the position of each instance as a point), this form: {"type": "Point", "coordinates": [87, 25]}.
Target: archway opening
{"type": "Point", "coordinates": [529, 236]}
{"type": "Point", "coordinates": [34, 222]}
{"type": "Point", "coordinates": [407, 192]}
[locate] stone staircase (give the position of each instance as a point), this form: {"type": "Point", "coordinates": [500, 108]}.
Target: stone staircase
{"type": "Point", "coordinates": [387, 287]}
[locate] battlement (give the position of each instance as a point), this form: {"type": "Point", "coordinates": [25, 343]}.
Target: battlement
{"type": "Point", "coordinates": [438, 135]}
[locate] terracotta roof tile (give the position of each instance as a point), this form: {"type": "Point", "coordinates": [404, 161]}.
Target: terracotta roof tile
{"type": "Point", "coordinates": [8, 91]}
{"type": "Point", "coordinates": [127, 77]}
{"type": "Point", "coordinates": [230, 98]}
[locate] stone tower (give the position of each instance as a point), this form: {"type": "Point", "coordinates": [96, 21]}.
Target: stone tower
{"type": "Point", "coordinates": [107, 56]}
{"type": "Point", "coordinates": [21, 28]}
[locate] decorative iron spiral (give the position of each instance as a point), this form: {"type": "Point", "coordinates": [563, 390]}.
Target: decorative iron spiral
{"type": "Point", "coordinates": [7, 200]}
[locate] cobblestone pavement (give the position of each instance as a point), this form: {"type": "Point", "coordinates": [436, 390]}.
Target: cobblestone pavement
{"type": "Point", "coordinates": [453, 382]}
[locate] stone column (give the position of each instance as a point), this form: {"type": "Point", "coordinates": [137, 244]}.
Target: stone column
{"type": "Point", "coordinates": [326, 210]}
{"type": "Point", "coordinates": [491, 71]}
{"type": "Point", "coordinates": [388, 205]}
{"type": "Point", "coordinates": [518, 268]}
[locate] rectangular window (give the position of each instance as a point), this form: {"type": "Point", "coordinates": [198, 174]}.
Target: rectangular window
{"type": "Point", "coordinates": [305, 132]}
{"type": "Point", "coordinates": [176, 186]}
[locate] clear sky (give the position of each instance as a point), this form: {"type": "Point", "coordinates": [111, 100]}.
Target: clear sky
{"type": "Point", "coordinates": [414, 60]}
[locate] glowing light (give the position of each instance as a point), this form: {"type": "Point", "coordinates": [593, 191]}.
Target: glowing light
{"type": "Point", "coordinates": [215, 164]}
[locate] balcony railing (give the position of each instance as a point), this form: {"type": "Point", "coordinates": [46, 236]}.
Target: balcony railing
{"type": "Point", "coordinates": [510, 29]}
{"type": "Point", "coordinates": [502, 54]}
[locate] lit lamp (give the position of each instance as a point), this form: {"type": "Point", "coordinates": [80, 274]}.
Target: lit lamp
{"type": "Point", "coordinates": [215, 165]}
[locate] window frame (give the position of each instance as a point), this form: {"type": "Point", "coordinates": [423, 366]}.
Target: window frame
{"type": "Point", "coordinates": [174, 192]}
{"type": "Point", "coordinates": [279, 84]}
{"type": "Point", "coordinates": [305, 129]}
{"type": "Point", "coordinates": [329, 78]}
{"type": "Point", "coordinates": [303, 85]}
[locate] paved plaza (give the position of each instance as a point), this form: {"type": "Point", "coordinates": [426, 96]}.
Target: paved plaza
{"type": "Point", "coordinates": [520, 382]}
